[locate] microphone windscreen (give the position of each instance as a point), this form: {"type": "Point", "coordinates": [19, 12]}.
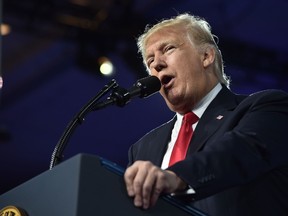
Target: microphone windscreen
{"type": "Point", "coordinates": [148, 85]}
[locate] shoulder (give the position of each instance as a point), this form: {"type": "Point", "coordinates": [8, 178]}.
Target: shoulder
{"type": "Point", "coordinates": [270, 92]}
{"type": "Point", "coordinates": [156, 135]}
{"type": "Point", "coordinates": [269, 95]}
{"type": "Point", "coordinates": [158, 131]}
{"type": "Point", "coordinates": [271, 98]}
{"type": "Point", "coordinates": [152, 145]}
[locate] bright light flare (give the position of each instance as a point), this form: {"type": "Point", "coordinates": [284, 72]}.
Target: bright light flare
{"type": "Point", "coordinates": [106, 67]}
{"type": "Point", "coordinates": [5, 29]}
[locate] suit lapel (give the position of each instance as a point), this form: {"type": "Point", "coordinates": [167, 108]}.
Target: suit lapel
{"type": "Point", "coordinates": [213, 118]}
{"type": "Point", "coordinates": [161, 138]}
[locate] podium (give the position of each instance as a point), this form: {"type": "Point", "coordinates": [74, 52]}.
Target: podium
{"type": "Point", "coordinates": [85, 185]}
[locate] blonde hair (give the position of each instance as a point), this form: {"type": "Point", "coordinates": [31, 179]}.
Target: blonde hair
{"type": "Point", "coordinates": [200, 32]}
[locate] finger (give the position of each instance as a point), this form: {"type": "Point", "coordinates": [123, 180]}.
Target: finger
{"type": "Point", "coordinates": [148, 187]}
{"type": "Point", "coordinates": [138, 183]}
{"type": "Point", "coordinates": [129, 176]}
{"type": "Point", "coordinates": [159, 187]}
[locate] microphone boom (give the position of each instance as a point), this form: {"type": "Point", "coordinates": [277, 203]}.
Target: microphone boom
{"type": "Point", "coordinates": [143, 88]}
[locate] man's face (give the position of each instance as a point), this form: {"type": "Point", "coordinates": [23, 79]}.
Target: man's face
{"type": "Point", "coordinates": [175, 60]}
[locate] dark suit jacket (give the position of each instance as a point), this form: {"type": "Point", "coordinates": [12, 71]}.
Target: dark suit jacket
{"type": "Point", "coordinates": [238, 157]}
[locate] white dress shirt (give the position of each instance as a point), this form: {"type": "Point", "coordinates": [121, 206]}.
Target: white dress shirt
{"type": "Point", "coordinates": [199, 109]}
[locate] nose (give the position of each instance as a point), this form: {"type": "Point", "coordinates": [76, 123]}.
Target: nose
{"type": "Point", "coordinates": [159, 67]}
{"type": "Point", "coordinates": [159, 64]}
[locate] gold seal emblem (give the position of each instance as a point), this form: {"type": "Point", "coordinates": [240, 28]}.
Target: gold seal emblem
{"type": "Point", "coordinates": [12, 211]}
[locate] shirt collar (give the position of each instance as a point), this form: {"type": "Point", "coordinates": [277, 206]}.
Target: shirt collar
{"type": "Point", "coordinates": [201, 106]}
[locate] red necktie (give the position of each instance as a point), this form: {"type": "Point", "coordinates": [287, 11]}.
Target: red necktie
{"type": "Point", "coordinates": [185, 134]}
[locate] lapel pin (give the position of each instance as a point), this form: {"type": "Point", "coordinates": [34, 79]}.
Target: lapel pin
{"type": "Point", "coordinates": [219, 117]}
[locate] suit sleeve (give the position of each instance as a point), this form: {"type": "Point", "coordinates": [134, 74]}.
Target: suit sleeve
{"type": "Point", "coordinates": [251, 143]}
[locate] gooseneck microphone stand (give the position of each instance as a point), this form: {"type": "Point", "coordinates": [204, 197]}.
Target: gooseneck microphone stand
{"type": "Point", "coordinates": [120, 96]}
{"type": "Point", "coordinates": [78, 119]}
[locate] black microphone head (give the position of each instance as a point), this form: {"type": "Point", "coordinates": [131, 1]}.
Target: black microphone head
{"type": "Point", "coordinates": [148, 86]}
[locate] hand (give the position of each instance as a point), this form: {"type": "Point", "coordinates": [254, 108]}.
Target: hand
{"type": "Point", "coordinates": [145, 182]}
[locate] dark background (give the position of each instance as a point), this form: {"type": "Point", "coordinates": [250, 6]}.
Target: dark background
{"type": "Point", "coordinates": [50, 71]}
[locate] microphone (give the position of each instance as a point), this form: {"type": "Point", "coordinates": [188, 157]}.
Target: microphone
{"type": "Point", "coordinates": [143, 88]}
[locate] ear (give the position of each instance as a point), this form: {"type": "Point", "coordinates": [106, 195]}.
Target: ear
{"type": "Point", "coordinates": [209, 56]}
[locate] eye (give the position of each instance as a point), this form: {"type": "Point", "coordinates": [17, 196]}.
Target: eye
{"type": "Point", "coordinates": [169, 48]}
{"type": "Point", "coordinates": [149, 62]}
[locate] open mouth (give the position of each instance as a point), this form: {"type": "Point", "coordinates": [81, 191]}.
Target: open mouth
{"type": "Point", "coordinates": [166, 79]}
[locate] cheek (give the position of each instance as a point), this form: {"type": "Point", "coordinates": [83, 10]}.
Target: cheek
{"type": "Point", "coordinates": [154, 73]}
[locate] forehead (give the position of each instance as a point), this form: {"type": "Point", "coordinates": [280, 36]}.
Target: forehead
{"type": "Point", "coordinates": [164, 35]}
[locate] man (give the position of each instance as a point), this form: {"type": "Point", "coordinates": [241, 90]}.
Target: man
{"type": "Point", "coordinates": [237, 162]}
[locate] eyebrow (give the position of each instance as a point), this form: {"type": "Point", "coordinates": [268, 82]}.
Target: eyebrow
{"type": "Point", "coordinates": [163, 44]}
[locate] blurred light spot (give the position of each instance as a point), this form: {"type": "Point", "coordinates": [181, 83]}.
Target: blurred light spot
{"type": "Point", "coordinates": [106, 67]}
{"type": "Point", "coordinates": [5, 29]}
{"type": "Point", "coordinates": [1, 82]}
